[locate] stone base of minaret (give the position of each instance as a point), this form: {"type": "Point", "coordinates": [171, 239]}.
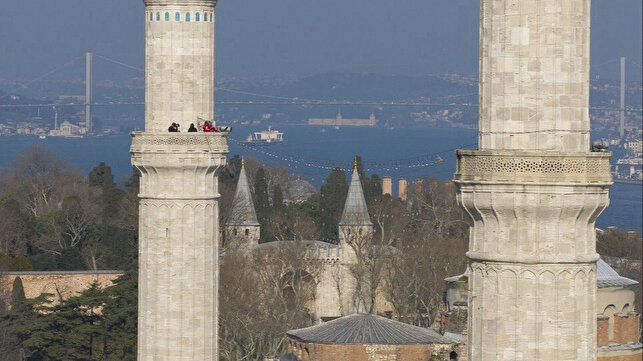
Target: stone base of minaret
{"type": "Point", "coordinates": [178, 243]}
{"type": "Point", "coordinates": [532, 252]}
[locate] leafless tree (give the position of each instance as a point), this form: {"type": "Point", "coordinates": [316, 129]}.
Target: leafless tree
{"type": "Point", "coordinates": [263, 294]}
{"type": "Point", "coordinates": [35, 176]}
{"type": "Point", "coordinates": [436, 210]}
{"type": "Point", "coordinates": [70, 223]}
{"type": "Point", "coordinates": [416, 277]}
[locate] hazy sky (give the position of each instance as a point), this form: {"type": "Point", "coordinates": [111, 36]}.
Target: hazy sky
{"type": "Point", "coordinates": [258, 38]}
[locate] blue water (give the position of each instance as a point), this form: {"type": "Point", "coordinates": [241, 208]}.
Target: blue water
{"type": "Point", "coordinates": [327, 147]}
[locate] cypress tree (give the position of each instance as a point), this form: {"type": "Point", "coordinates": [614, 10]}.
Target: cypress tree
{"type": "Point", "coordinates": [17, 293]}
{"type": "Point", "coordinates": [277, 199]}
{"type": "Point", "coordinates": [333, 196]}
{"type": "Point", "coordinates": [262, 202]}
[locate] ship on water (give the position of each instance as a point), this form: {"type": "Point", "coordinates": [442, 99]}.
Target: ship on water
{"type": "Point", "coordinates": [266, 137]}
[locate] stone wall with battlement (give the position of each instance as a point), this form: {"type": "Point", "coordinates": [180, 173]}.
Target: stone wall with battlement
{"type": "Point", "coordinates": [59, 284]}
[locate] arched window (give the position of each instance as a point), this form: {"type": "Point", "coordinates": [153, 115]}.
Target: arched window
{"type": "Point", "coordinates": [453, 355]}
{"type": "Point", "coordinates": [158, 16]}
{"type": "Point", "coordinates": [151, 16]}
{"type": "Point", "coordinates": [609, 312]}
{"type": "Point", "coordinates": [205, 16]}
{"type": "Point", "coordinates": [177, 16]}
{"type": "Point", "coordinates": [167, 16]}
{"type": "Point", "coordinates": [247, 231]}
{"type": "Point", "coordinates": [234, 232]}
{"type": "Point", "coordinates": [197, 17]}
{"type": "Point", "coordinates": [187, 16]}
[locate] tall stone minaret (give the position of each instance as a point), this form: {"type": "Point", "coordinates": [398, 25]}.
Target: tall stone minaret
{"type": "Point", "coordinates": [534, 189]}
{"type": "Point", "coordinates": [178, 212]}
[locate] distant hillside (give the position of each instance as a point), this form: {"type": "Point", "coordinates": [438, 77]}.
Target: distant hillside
{"type": "Point", "coordinates": [353, 86]}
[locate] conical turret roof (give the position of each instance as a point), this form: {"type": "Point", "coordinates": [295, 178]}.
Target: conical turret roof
{"type": "Point", "coordinates": [606, 276]}
{"type": "Point", "coordinates": [243, 209]}
{"type": "Point", "coordinates": [355, 210]}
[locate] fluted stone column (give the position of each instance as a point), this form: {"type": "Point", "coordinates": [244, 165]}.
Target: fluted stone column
{"type": "Point", "coordinates": [534, 190]}
{"type": "Point", "coordinates": [178, 209]}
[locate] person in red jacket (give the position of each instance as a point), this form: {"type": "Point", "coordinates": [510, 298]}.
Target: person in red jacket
{"type": "Point", "coordinates": [207, 127]}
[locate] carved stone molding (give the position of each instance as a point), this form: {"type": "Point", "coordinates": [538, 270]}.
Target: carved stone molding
{"type": "Point", "coordinates": [143, 142]}
{"type": "Point", "coordinates": [498, 166]}
{"type": "Point", "coordinates": [536, 271]}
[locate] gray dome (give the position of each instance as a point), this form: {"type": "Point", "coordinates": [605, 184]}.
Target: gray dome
{"type": "Point", "coordinates": [368, 329]}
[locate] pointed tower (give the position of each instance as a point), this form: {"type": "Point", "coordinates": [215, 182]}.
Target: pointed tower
{"type": "Point", "coordinates": [242, 228]}
{"type": "Point", "coordinates": [355, 221]}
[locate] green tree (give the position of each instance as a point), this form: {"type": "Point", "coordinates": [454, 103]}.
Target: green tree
{"type": "Point", "coordinates": [120, 315]}
{"type": "Point", "coordinates": [20, 263]}
{"type": "Point", "coordinates": [70, 259]}
{"type": "Point", "coordinates": [262, 203]}
{"type": "Point", "coordinates": [17, 292]}
{"type": "Point", "coordinates": [277, 199]}
{"type": "Point", "coordinates": [15, 228]}
{"type": "Point", "coordinates": [71, 330]}
{"type": "Point", "coordinates": [332, 198]}
{"type": "Point", "coordinates": [101, 176]}
{"type": "Point", "coordinates": [22, 316]}
{"type": "Point", "coordinates": [372, 190]}
{"type": "Point", "coordinates": [372, 186]}
{"type": "Point", "coordinates": [615, 243]}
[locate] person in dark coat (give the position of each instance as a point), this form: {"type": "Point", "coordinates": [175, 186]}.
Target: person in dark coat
{"type": "Point", "coordinates": [192, 128]}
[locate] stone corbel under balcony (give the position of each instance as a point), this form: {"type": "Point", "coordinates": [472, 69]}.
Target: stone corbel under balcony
{"type": "Point", "coordinates": [476, 166]}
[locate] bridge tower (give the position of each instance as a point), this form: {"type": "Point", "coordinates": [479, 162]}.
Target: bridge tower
{"type": "Point", "coordinates": [89, 65]}
{"type": "Point", "coordinates": [178, 209]}
{"type": "Point", "coordinates": [533, 190]}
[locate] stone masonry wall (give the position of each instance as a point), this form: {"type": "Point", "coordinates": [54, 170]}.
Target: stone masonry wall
{"type": "Point", "coordinates": [534, 75]}
{"type": "Point", "coordinates": [602, 330]}
{"type": "Point", "coordinates": [624, 356]}
{"type": "Point", "coordinates": [59, 284]}
{"type": "Point", "coordinates": [179, 64]}
{"type": "Point", "coordinates": [626, 327]}
{"type": "Point", "coordinates": [354, 352]}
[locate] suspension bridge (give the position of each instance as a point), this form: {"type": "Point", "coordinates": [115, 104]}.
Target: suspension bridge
{"type": "Point", "coordinates": [263, 99]}
{"type": "Point", "coordinates": [298, 163]}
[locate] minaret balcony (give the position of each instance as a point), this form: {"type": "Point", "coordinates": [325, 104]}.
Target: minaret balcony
{"type": "Point", "coordinates": [179, 165]}
{"type": "Point", "coordinates": [197, 142]}
{"type": "Point", "coordinates": [532, 167]}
